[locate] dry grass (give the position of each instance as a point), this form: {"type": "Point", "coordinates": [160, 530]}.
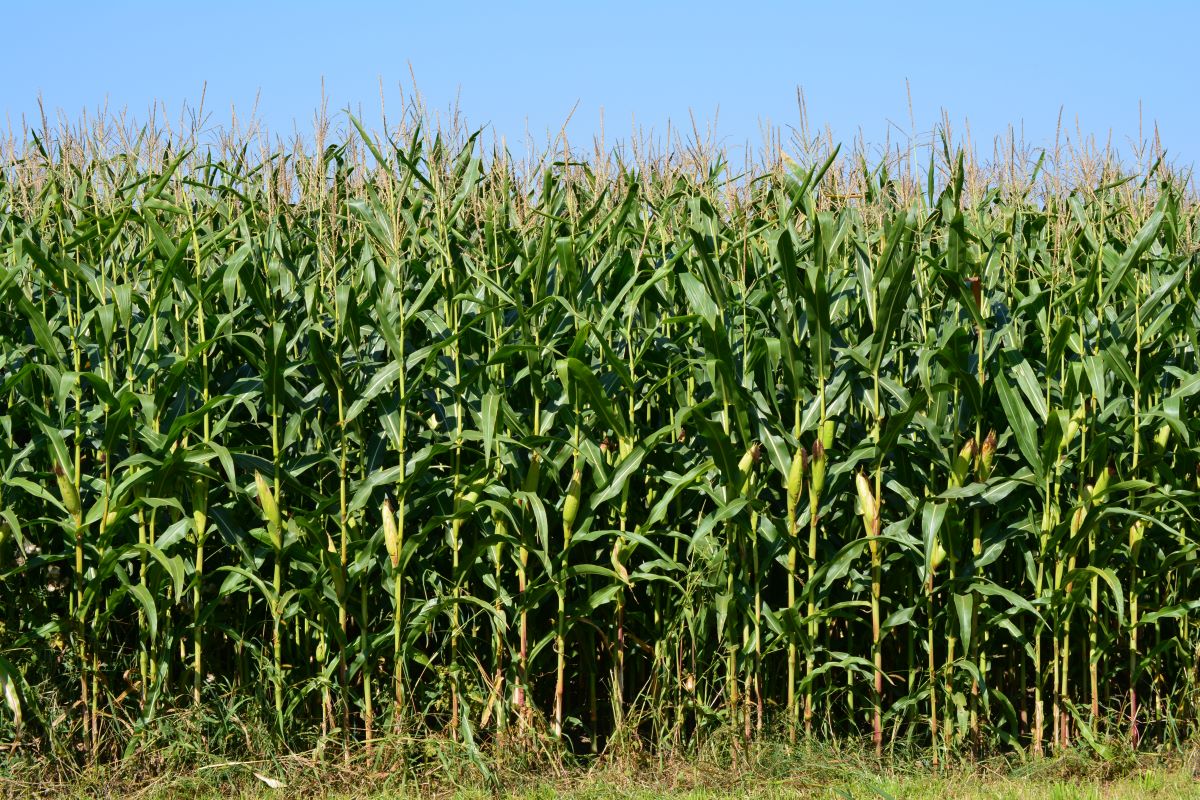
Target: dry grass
{"type": "Point", "coordinates": [766, 771]}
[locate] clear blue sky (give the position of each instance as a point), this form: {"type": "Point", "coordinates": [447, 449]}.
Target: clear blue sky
{"type": "Point", "coordinates": [519, 64]}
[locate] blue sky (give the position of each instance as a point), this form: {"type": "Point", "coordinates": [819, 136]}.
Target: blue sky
{"type": "Point", "coordinates": [518, 66]}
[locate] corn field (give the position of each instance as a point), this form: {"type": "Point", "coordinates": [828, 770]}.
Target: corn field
{"type": "Point", "coordinates": [399, 436]}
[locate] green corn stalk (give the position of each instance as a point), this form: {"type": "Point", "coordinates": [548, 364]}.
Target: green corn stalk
{"type": "Point", "coordinates": [816, 487]}
{"type": "Point", "coordinates": [570, 511]}
{"type": "Point", "coordinates": [393, 539]}
{"type": "Point", "coordinates": [793, 487]}
{"type": "Point", "coordinates": [274, 520]}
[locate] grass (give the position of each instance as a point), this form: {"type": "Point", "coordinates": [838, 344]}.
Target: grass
{"type": "Point", "coordinates": [762, 771]}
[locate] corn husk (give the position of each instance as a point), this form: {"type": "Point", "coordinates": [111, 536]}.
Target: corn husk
{"type": "Point", "coordinates": [938, 555]}
{"type": "Point", "coordinates": [534, 474]}
{"type": "Point", "coordinates": [1073, 426]}
{"type": "Point", "coordinates": [870, 512]}
{"type": "Point", "coordinates": [987, 456]}
{"type": "Point", "coordinates": [469, 497]}
{"type": "Point", "coordinates": [866, 502]}
{"type": "Point", "coordinates": [817, 483]}
{"type": "Point", "coordinates": [962, 464]}
{"type": "Point", "coordinates": [795, 479]}
{"type": "Point", "coordinates": [270, 510]}
{"type": "Point", "coordinates": [1101, 485]}
{"type": "Point", "coordinates": [1136, 531]}
{"type": "Point", "coordinates": [69, 494]}
{"type": "Point", "coordinates": [1162, 438]}
{"type": "Point", "coordinates": [391, 535]}
{"type": "Point", "coordinates": [746, 464]}
{"type": "Point", "coordinates": [571, 504]}
{"type": "Point", "coordinates": [199, 492]}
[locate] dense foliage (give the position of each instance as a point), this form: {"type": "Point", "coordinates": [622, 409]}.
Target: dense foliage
{"type": "Point", "coordinates": [398, 437]}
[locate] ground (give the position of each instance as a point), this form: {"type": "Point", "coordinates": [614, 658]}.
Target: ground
{"type": "Point", "coordinates": [779, 773]}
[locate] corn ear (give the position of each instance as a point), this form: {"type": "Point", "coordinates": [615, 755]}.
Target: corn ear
{"type": "Point", "coordinates": [870, 512]}
{"type": "Point", "coordinates": [817, 483]}
{"type": "Point", "coordinates": [958, 472]}
{"type": "Point", "coordinates": [1136, 531]}
{"type": "Point", "coordinates": [987, 456]}
{"type": "Point", "coordinates": [571, 504]}
{"type": "Point", "coordinates": [391, 536]}
{"type": "Point", "coordinates": [1162, 438]}
{"type": "Point", "coordinates": [469, 498]}
{"type": "Point", "coordinates": [866, 502]}
{"type": "Point", "coordinates": [1093, 493]}
{"type": "Point", "coordinates": [199, 492]}
{"type": "Point", "coordinates": [533, 474]}
{"type": "Point", "coordinates": [746, 464]}
{"type": "Point", "coordinates": [795, 479]}
{"type": "Point", "coordinates": [618, 565]}
{"type": "Point", "coordinates": [69, 494]}
{"type": "Point", "coordinates": [938, 556]}
{"type": "Point", "coordinates": [270, 510]}
{"type": "Point", "coordinates": [1073, 426]}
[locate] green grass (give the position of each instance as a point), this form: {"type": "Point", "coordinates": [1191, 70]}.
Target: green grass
{"type": "Point", "coordinates": [761, 772]}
